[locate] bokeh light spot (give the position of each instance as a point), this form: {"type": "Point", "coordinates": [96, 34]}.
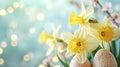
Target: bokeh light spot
{"type": "Point", "coordinates": [49, 6]}
{"type": "Point", "coordinates": [1, 61]}
{"type": "Point", "coordinates": [32, 30]}
{"type": "Point", "coordinates": [15, 4]}
{"type": "Point", "coordinates": [57, 66]}
{"type": "Point", "coordinates": [40, 16]}
{"type": "Point", "coordinates": [26, 58]}
{"type": "Point", "coordinates": [3, 44]}
{"type": "Point", "coordinates": [14, 43]}
{"type": "Point", "coordinates": [10, 9]}
{"type": "Point", "coordinates": [1, 50]}
{"type": "Point", "coordinates": [41, 65]}
{"type": "Point", "coordinates": [14, 37]}
{"type": "Point", "coordinates": [55, 59]}
{"type": "Point", "coordinates": [2, 12]}
{"type": "Point", "coordinates": [13, 25]}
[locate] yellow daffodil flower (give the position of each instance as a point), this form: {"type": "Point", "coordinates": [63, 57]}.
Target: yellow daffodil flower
{"type": "Point", "coordinates": [105, 32]}
{"type": "Point", "coordinates": [83, 18]}
{"type": "Point", "coordinates": [53, 43]}
{"type": "Point", "coordinates": [51, 40]}
{"type": "Point", "coordinates": [79, 44]}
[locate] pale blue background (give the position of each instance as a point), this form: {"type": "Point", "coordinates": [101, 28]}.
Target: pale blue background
{"type": "Point", "coordinates": [58, 14]}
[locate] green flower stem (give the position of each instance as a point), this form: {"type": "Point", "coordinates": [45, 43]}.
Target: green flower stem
{"type": "Point", "coordinates": [59, 40]}
{"type": "Point", "coordinates": [65, 59]}
{"type": "Point", "coordinates": [108, 13]}
{"type": "Point", "coordinates": [92, 56]}
{"type": "Point", "coordinates": [65, 64]}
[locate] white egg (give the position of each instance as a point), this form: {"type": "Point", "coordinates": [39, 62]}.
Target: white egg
{"type": "Point", "coordinates": [104, 58]}
{"type": "Point", "coordinates": [75, 63]}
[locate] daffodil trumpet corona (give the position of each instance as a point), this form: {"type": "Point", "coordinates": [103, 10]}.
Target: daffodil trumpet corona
{"type": "Point", "coordinates": [44, 37]}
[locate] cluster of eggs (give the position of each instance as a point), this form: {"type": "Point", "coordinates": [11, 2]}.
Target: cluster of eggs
{"type": "Point", "coordinates": [103, 58]}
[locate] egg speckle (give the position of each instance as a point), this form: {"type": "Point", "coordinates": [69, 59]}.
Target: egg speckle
{"type": "Point", "coordinates": [75, 63]}
{"type": "Point", "coordinates": [104, 58]}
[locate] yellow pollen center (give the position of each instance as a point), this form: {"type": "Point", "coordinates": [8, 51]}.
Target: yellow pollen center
{"type": "Point", "coordinates": [76, 45]}
{"type": "Point", "coordinates": [105, 34]}
{"type": "Point", "coordinates": [102, 33]}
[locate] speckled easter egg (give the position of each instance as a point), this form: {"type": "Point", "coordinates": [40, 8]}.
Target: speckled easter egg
{"type": "Point", "coordinates": [75, 63]}
{"type": "Point", "coordinates": [104, 58]}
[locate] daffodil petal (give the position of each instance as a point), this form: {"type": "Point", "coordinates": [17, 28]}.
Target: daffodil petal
{"type": "Point", "coordinates": [49, 51]}
{"type": "Point", "coordinates": [106, 22]}
{"type": "Point", "coordinates": [55, 30]}
{"type": "Point", "coordinates": [116, 33]}
{"type": "Point", "coordinates": [81, 57]}
{"type": "Point", "coordinates": [69, 53]}
{"type": "Point", "coordinates": [92, 29]}
{"type": "Point", "coordinates": [83, 9]}
{"type": "Point", "coordinates": [94, 26]}
{"type": "Point", "coordinates": [51, 43]}
{"type": "Point", "coordinates": [81, 33]}
{"type": "Point", "coordinates": [85, 54]}
{"type": "Point", "coordinates": [91, 43]}
{"type": "Point", "coordinates": [89, 14]}
{"type": "Point", "coordinates": [67, 36]}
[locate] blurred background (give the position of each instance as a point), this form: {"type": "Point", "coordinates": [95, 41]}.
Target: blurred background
{"type": "Point", "coordinates": [22, 21]}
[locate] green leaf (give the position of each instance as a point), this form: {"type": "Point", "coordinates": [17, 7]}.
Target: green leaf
{"type": "Point", "coordinates": [113, 48]}
{"type": "Point", "coordinates": [118, 60]}
{"type": "Point", "coordinates": [60, 60]}
{"type": "Point", "coordinates": [118, 57]}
